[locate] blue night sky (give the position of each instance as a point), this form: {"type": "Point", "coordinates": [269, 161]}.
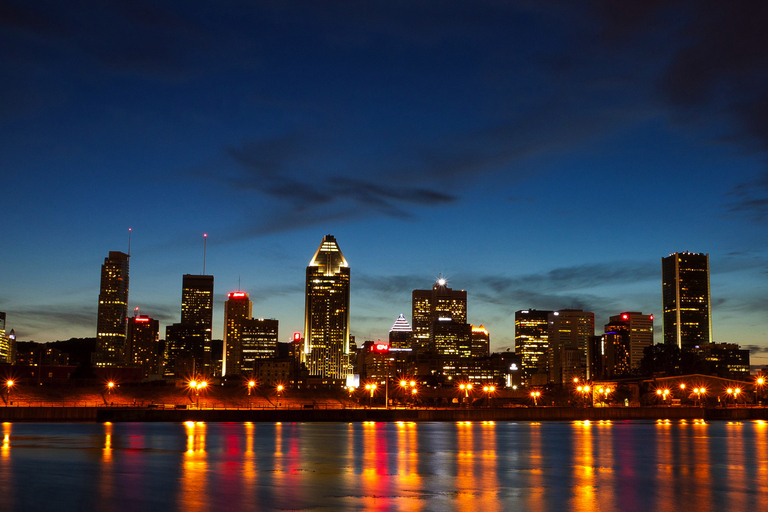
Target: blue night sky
{"type": "Point", "coordinates": [539, 154]}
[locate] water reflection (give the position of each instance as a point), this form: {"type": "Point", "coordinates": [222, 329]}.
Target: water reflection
{"type": "Point", "coordinates": [193, 488]}
{"type": "Point", "coordinates": [487, 466]}
{"type": "Point", "coordinates": [6, 470]}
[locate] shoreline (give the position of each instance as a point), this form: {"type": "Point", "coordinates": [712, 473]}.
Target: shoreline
{"type": "Point", "coordinates": [137, 414]}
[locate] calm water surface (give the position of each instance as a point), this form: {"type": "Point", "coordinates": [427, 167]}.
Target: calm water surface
{"type": "Point", "coordinates": [484, 466]}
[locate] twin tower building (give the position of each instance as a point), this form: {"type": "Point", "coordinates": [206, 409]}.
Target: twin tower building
{"type": "Point", "coordinates": [134, 341]}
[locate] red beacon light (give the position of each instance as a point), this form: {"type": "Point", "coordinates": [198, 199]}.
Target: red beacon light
{"type": "Point", "coordinates": [650, 317]}
{"type": "Point", "coordinates": [625, 316]}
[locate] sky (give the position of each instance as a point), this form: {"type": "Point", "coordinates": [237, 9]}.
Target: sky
{"type": "Point", "coordinates": [539, 154]}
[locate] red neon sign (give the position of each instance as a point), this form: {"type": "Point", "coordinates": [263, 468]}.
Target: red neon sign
{"type": "Point", "coordinates": [142, 319]}
{"type": "Point", "coordinates": [296, 337]}
{"type": "Point", "coordinates": [381, 347]}
{"type": "Point", "coordinates": [237, 295]}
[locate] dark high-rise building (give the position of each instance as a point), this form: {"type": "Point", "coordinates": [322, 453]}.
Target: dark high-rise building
{"type": "Point", "coordinates": [429, 306]}
{"type": "Point", "coordinates": [7, 343]}
{"type": "Point", "coordinates": [143, 346]}
{"type": "Point", "coordinates": [686, 300]}
{"type": "Point", "coordinates": [197, 302]}
{"type": "Point", "coordinates": [113, 311]}
{"type": "Point", "coordinates": [326, 317]}
{"type": "Point", "coordinates": [481, 342]}
{"type": "Point", "coordinates": [400, 334]}
{"type": "Point", "coordinates": [637, 329]}
{"type": "Point", "coordinates": [188, 343]}
{"type": "Point", "coordinates": [237, 308]}
{"type": "Point", "coordinates": [569, 336]}
{"type": "Point", "coordinates": [258, 338]}
{"type": "Point", "coordinates": [532, 343]}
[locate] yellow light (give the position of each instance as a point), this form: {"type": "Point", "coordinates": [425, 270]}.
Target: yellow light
{"type": "Point", "coordinates": [279, 387]}
{"type": "Point", "coordinates": [9, 383]}
{"type": "Point", "coordinates": [760, 381]}
{"type": "Point", "coordinates": [586, 388]}
{"type": "Point", "coordinates": [110, 385]}
{"type": "Point", "coordinates": [193, 383]}
{"type": "Point", "coordinates": [658, 391]}
{"type": "Point", "coordinates": [203, 384]}
{"type": "Point", "coordinates": [413, 383]}
{"type": "Point", "coordinates": [403, 383]}
{"type": "Point", "coordinates": [251, 384]}
{"type": "Point", "coordinates": [682, 386]}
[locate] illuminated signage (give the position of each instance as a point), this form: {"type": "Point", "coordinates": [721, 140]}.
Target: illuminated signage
{"type": "Point", "coordinates": [381, 347]}
{"type": "Point", "coordinates": [142, 319]}
{"type": "Point", "coordinates": [296, 337]}
{"type": "Point", "coordinates": [237, 295]}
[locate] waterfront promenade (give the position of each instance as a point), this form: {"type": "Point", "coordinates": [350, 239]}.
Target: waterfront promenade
{"type": "Point", "coordinates": [359, 414]}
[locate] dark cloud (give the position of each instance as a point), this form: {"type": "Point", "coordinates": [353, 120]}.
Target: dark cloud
{"type": "Point", "coordinates": [750, 199]}
{"type": "Point", "coordinates": [756, 349]}
{"type": "Point", "coordinates": [31, 319]}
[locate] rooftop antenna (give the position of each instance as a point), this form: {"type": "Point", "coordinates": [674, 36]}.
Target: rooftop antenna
{"type": "Point", "coordinates": [205, 245]}
{"type": "Point", "coordinates": [129, 240]}
{"type": "Point", "coordinates": [238, 284]}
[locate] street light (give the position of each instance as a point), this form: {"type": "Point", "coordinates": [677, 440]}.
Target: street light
{"type": "Point", "coordinates": [372, 388]}
{"type": "Point", "coordinates": [663, 393]}
{"type": "Point", "coordinates": [759, 383]}
{"type": "Point", "coordinates": [535, 395]}
{"type": "Point", "coordinates": [734, 393]}
{"type": "Point", "coordinates": [251, 385]}
{"type": "Point", "coordinates": [8, 386]}
{"type": "Point", "coordinates": [197, 386]}
{"type": "Point", "coordinates": [584, 390]}
{"type": "Point", "coordinates": [489, 389]}
{"type": "Point", "coordinates": [466, 388]}
{"type": "Point", "coordinates": [699, 392]}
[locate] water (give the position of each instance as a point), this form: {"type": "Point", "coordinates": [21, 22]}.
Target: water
{"type": "Point", "coordinates": [482, 466]}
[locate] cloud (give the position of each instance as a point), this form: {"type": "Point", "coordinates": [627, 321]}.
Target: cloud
{"type": "Point", "coordinates": [756, 349]}
{"type": "Point", "coordinates": [750, 199]}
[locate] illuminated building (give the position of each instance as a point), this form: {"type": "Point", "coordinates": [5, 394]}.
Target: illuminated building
{"type": "Point", "coordinates": [727, 360]}
{"type": "Point", "coordinates": [569, 335]}
{"type": "Point", "coordinates": [113, 310]}
{"type": "Point", "coordinates": [197, 302]}
{"type": "Point", "coordinates": [400, 333]}
{"type": "Point", "coordinates": [238, 307]}
{"type": "Point", "coordinates": [326, 313]}
{"type": "Point", "coordinates": [532, 343]}
{"type": "Point", "coordinates": [429, 306]}
{"type": "Point", "coordinates": [481, 342]}
{"type": "Point", "coordinates": [7, 343]}
{"type": "Point", "coordinates": [30, 353]}
{"type": "Point", "coordinates": [637, 329]}
{"type": "Point", "coordinates": [258, 338]}
{"type": "Point", "coordinates": [608, 355]}
{"type": "Point", "coordinates": [376, 362]}
{"type": "Point", "coordinates": [143, 346]}
{"type": "Point", "coordinates": [686, 300]}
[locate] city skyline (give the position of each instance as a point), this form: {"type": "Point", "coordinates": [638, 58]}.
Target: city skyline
{"type": "Point", "coordinates": [539, 157]}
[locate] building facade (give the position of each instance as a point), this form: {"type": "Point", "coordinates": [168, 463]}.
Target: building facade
{"type": "Point", "coordinates": [637, 328]}
{"type": "Point", "coordinates": [143, 345]}
{"type": "Point", "coordinates": [258, 338]}
{"type": "Point", "coordinates": [481, 342]}
{"type": "Point", "coordinates": [686, 300]}
{"type": "Point", "coordinates": [441, 303]}
{"type": "Point", "coordinates": [532, 343]}
{"type": "Point", "coordinates": [237, 308]}
{"type": "Point", "coordinates": [570, 332]}
{"type": "Point", "coordinates": [113, 311]}
{"type": "Point", "coordinates": [326, 312]}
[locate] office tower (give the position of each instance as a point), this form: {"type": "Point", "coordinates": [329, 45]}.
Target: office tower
{"type": "Point", "coordinates": [532, 343]}
{"type": "Point", "coordinates": [326, 313]}
{"type": "Point", "coordinates": [238, 307]}
{"type": "Point", "coordinates": [429, 306]}
{"type": "Point", "coordinates": [608, 355]}
{"type": "Point", "coordinates": [7, 343]}
{"type": "Point", "coordinates": [481, 342]}
{"type": "Point", "coordinates": [188, 343]}
{"type": "Point", "coordinates": [400, 334]}
{"type": "Point", "coordinates": [451, 338]}
{"type": "Point", "coordinates": [637, 328]}
{"type": "Point", "coordinates": [569, 335]}
{"type": "Point", "coordinates": [143, 345]}
{"type": "Point", "coordinates": [258, 339]}
{"type": "Point", "coordinates": [197, 302]}
{"type": "Point", "coordinates": [113, 310]}
{"type": "Point", "coordinates": [686, 300]}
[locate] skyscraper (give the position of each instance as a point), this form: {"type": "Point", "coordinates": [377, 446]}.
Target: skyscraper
{"type": "Point", "coordinates": [637, 328]}
{"type": "Point", "coordinates": [441, 303]}
{"type": "Point", "coordinates": [481, 342]}
{"type": "Point", "coordinates": [142, 345]}
{"type": "Point", "coordinates": [188, 343]}
{"type": "Point", "coordinates": [686, 299]}
{"type": "Point", "coordinates": [326, 317]}
{"type": "Point", "coordinates": [197, 302]}
{"type": "Point", "coordinates": [569, 334]}
{"type": "Point", "coordinates": [113, 310]}
{"type": "Point", "coordinates": [237, 308]}
{"type": "Point", "coordinates": [258, 338]}
{"type": "Point", "coordinates": [400, 334]}
{"type": "Point", "coordinates": [532, 342]}
{"type": "Point", "coordinates": [7, 343]}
